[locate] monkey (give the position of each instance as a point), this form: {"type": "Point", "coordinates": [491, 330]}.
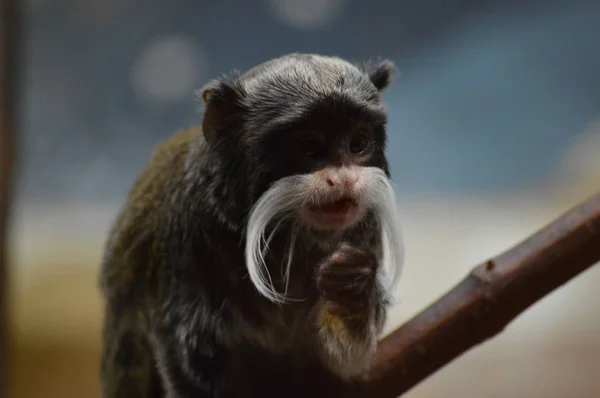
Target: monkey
{"type": "Point", "coordinates": [258, 252]}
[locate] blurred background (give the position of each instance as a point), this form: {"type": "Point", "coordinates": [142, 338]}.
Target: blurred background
{"type": "Point", "coordinates": [494, 131]}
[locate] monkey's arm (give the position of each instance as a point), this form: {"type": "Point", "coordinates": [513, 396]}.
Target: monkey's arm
{"type": "Point", "coordinates": [352, 310]}
{"type": "Point", "coordinates": [191, 323]}
{"type": "Point", "coordinates": [204, 349]}
{"type": "Point", "coordinates": [183, 339]}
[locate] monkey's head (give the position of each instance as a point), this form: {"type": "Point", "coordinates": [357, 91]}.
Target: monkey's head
{"type": "Point", "coordinates": [307, 136]}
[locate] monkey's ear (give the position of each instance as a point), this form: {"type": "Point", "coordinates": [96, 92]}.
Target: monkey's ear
{"type": "Point", "coordinates": [381, 73]}
{"type": "Point", "coordinates": [222, 109]}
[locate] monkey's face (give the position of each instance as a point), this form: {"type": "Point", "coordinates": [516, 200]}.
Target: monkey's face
{"type": "Point", "coordinates": [329, 157]}
{"type": "Point", "coordinates": [323, 172]}
{"type": "Point", "coordinates": [309, 132]}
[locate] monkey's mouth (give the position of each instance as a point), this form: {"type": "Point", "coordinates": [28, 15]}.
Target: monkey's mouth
{"type": "Point", "coordinates": [340, 206]}
{"type": "Point", "coordinates": [333, 215]}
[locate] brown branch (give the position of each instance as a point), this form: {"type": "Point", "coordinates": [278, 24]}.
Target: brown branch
{"type": "Point", "coordinates": [8, 71]}
{"type": "Point", "coordinates": [486, 301]}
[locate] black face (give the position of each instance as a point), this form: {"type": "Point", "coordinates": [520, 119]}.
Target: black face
{"type": "Point", "coordinates": [295, 115]}
{"type": "Point", "coordinates": [335, 132]}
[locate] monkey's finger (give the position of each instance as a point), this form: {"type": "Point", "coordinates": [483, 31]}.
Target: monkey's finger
{"type": "Point", "coordinates": [350, 287]}
{"type": "Point", "coordinates": [336, 309]}
{"type": "Point", "coordinates": [353, 300]}
{"type": "Point", "coordinates": [351, 272]}
{"type": "Point", "coordinates": [352, 257]}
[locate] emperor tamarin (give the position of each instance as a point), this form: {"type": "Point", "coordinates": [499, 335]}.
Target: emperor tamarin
{"type": "Point", "coordinates": [256, 253]}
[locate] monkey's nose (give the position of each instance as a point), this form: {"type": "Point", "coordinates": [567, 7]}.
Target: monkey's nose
{"type": "Point", "coordinates": [340, 178]}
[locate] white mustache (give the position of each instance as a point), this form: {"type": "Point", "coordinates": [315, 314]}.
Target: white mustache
{"type": "Point", "coordinates": [289, 194]}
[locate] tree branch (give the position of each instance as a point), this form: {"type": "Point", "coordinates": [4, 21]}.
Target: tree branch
{"type": "Point", "coordinates": [486, 301]}
{"type": "Point", "coordinates": [8, 71]}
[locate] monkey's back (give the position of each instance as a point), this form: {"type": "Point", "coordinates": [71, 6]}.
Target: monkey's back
{"type": "Point", "coordinates": [128, 271]}
{"type": "Point", "coordinates": [141, 215]}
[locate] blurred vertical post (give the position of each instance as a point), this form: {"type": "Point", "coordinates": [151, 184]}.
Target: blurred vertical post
{"type": "Point", "coordinates": [8, 106]}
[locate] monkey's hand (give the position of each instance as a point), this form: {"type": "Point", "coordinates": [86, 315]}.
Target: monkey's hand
{"type": "Point", "coordinates": [351, 313]}
{"type": "Point", "coordinates": [346, 280]}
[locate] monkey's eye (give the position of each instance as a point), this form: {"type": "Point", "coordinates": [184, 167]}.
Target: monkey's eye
{"type": "Point", "coordinates": [360, 141]}
{"type": "Point", "coordinates": [311, 145]}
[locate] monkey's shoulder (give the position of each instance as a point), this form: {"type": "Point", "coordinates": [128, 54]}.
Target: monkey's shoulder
{"type": "Point", "coordinates": [168, 161]}
{"type": "Point", "coordinates": [150, 201]}
{"type": "Point", "coordinates": [162, 180]}
{"type": "Point", "coordinates": [178, 143]}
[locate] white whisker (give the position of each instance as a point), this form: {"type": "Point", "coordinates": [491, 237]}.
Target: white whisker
{"type": "Point", "coordinates": [290, 194]}
{"type": "Point", "coordinates": [270, 238]}
{"type": "Point", "coordinates": [288, 267]}
{"type": "Point", "coordinates": [385, 203]}
{"type": "Point", "coordinates": [281, 200]}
